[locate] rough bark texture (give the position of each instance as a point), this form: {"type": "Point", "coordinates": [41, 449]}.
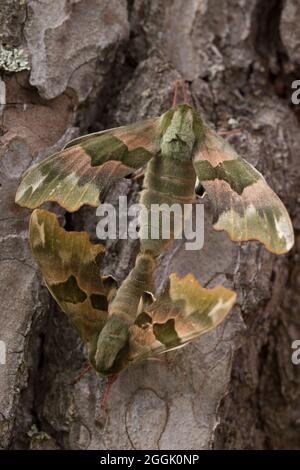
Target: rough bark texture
{"type": "Point", "coordinates": [89, 64]}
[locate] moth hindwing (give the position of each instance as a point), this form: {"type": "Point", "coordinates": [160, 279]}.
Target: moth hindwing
{"type": "Point", "coordinates": [183, 312]}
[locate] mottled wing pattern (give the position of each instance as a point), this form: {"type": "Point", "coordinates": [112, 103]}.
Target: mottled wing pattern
{"type": "Point", "coordinates": [70, 265]}
{"type": "Point", "coordinates": [246, 207]}
{"type": "Point", "coordinates": [185, 311]}
{"type": "Point", "coordinates": [85, 169]}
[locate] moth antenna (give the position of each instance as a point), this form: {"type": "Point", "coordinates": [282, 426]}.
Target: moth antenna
{"type": "Point", "coordinates": [230, 133]}
{"type": "Point", "coordinates": [110, 381]}
{"type": "Point", "coordinates": [184, 92]}
{"type": "Point", "coordinates": [82, 373]}
{"type": "Point", "coordinates": [159, 360]}
{"type": "Point", "coordinates": [175, 94]}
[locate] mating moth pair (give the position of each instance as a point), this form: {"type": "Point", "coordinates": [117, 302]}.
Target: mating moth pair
{"type": "Point", "coordinates": [124, 324]}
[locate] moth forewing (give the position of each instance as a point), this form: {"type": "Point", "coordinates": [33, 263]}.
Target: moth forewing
{"type": "Point", "coordinates": [69, 263]}
{"type": "Point", "coordinates": [88, 166]}
{"type": "Point", "coordinates": [245, 206]}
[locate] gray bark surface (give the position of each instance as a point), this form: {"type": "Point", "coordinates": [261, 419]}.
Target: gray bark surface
{"type": "Point", "coordinates": [84, 65]}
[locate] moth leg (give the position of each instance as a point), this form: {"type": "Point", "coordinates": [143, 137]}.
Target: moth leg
{"type": "Point", "coordinates": [184, 92]}
{"type": "Point", "coordinates": [175, 94]}
{"type": "Point", "coordinates": [230, 133]}
{"type": "Point", "coordinates": [84, 371]}
{"type": "Point", "coordinates": [108, 386]}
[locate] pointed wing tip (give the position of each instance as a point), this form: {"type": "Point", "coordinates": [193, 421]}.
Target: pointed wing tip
{"type": "Point", "coordinates": [282, 250]}
{"type": "Point", "coordinates": [18, 196]}
{"type": "Point", "coordinates": [26, 205]}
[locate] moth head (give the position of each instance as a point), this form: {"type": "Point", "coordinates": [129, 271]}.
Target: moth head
{"type": "Point", "coordinates": [181, 131]}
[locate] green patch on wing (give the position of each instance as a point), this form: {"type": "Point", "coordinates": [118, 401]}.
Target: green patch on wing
{"type": "Point", "coordinates": [237, 173]}
{"type": "Point", "coordinates": [166, 332]}
{"type": "Point", "coordinates": [99, 302]}
{"type": "Point", "coordinates": [102, 149]}
{"type": "Point", "coordinates": [143, 319]}
{"type": "Point", "coordinates": [70, 266]}
{"type": "Point", "coordinates": [69, 291]}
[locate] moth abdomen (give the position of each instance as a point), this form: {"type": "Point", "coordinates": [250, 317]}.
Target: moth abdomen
{"type": "Point", "coordinates": [168, 186]}
{"type": "Point", "coordinates": [112, 342]}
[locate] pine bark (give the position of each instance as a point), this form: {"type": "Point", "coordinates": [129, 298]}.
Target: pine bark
{"type": "Point", "coordinates": [84, 65]}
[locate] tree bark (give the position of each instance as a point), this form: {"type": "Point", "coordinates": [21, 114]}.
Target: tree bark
{"type": "Point", "coordinates": [75, 66]}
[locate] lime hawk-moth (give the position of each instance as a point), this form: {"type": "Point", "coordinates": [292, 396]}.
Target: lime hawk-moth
{"type": "Point", "coordinates": [124, 324]}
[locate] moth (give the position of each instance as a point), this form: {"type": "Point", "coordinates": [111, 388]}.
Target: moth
{"type": "Point", "coordinates": [124, 324]}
